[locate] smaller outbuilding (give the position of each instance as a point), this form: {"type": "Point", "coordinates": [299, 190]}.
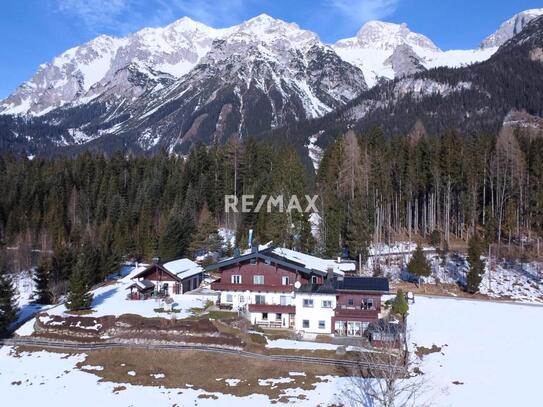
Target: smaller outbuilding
{"type": "Point", "coordinates": [385, 334]}
{"type": "Point", "coordinates": [166, 279]}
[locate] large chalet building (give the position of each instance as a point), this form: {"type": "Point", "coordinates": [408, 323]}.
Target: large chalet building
{"type": "Point", "coordinates": [282, 288]}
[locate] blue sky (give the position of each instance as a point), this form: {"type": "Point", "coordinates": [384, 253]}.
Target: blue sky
{"type": "Point", "coordinates": [34, 31]}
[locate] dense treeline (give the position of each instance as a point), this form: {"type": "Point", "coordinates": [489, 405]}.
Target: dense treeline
{"type": "Point", "coordinates": [96, 210]}
{"type": "Point", "coordinates": [137, 207]}
{"type": "Point", "coordinates": [447, 187]}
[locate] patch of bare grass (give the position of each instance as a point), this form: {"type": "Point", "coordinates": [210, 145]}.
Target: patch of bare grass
{"type": "Point", "coordinates": [207, 371]}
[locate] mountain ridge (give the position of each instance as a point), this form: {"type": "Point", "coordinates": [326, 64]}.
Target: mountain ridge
{"type": "Point", "coordinates": [214, 84]}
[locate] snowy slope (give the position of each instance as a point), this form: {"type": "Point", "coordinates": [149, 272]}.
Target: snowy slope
{"type": "Point", "coordinates": [482, 344]}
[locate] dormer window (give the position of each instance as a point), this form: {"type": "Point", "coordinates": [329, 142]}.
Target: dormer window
{"type": "Point", "coordinates": [314, 279]}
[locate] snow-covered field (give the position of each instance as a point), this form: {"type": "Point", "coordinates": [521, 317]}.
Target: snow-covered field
{"type": "Point", "coordinates": [111, 300]}
{"type": "Point", "coordinates": [306, 345]}
{"type": "Point", "coordinates": [491, 350]}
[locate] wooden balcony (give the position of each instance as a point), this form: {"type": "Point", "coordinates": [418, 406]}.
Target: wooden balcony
{"type": "Point", "coordinates": [356, 314]}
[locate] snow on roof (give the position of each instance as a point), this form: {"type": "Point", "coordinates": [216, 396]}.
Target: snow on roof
{"type": "Point", "coordinates": [183, 268]}
{"type": "Point", "coordinates": [134, 272]}
{"type": "Point", "coordinates": [142, 285]}
{"type": "Point", "coordinates": [312, 262]}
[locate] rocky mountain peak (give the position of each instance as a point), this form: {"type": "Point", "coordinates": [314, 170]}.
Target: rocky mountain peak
{"type": "Point", "coordinates": [510, 28]}
{"type": "Point", "coordinates": [382, 35]}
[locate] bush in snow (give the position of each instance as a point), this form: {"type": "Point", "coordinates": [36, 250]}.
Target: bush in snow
{"type": "Point", "coordinates": [8, 308]}
{"type": "Point", "coordinates": [418, 264]}
{"type": "Point", "coordinates": [476, 266]}
{"type": "Point", "coordinates": [400, 306]}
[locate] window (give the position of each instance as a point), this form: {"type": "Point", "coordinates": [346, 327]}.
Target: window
{"type": "Point", "coordinates": [368, 303]}
{"type": "Point", "coordinates": [284, 280]}
{"type": "Point", "coordinates": [350, 302]}
{"type": "Point", "coordinates": [236, 279]}
{"type": "Point", "coordinates": [305, 323]}
{"type": "Point", "coordinates": [308, 303]}
{"type": "Point", "coordinates": [265, 316]}
{"type": "Point", "coordinates": [278, 317]}
{"type": "Point", "coordinates": [283, 300]}
{"type": "Point", "coordinates": [258, 279]}
{"type": "Point", "coordinates": [313, 279]}
{"type": "Point", "coordinates": [229, 298]}
{"type": "Point", "coordinates": [241, 299]}
{"type": "Point", "coordinates": [326, 304]}
{"type": "Point", "coordinates": [260, 299]}
{"type": "Point", "coordinates": [322, 324]}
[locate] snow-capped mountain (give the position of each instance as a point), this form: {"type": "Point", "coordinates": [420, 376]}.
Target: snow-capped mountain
{"type": "Point", "coordinates": [174, 50]}
{"type": "Point", "coordinates": [386, 50]}
{"type": "Point", "coordinates": [172, 86]}
{"type": "Point", "coordinates": [265, 73]}
{"type": "Point", "coordinates": [510, 28]}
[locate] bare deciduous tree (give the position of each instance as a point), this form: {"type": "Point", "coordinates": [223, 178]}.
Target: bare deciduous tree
{"type": "Point", "coordinates": [384, 377]}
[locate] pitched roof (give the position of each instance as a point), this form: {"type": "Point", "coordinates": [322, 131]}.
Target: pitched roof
{"type": "Point", "coordinates": [142, 285]}
{"type": "Point", "coordinates": [179, 269]}
{"type": "Point", "coordinates": [302, 262]}
{"type": "Point", "coordinates": [313, 262]}
{"type": "Point", "coordinates": [183, 268]}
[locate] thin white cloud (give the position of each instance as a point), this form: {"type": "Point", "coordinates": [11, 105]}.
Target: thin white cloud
{"type": "Point", "coordinates": [360, 11]}
{"type": "Point", "coordinates": [122, 16]}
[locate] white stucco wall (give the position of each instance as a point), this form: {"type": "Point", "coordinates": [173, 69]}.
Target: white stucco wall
{"type": "Point", "coordinates": [243, 298]}
{"type": "Point", "coordinates": [315, 314]}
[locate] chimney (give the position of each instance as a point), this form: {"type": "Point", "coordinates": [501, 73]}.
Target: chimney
{"type": "Point", "coordinates": [250, 238]}
{"type": "Point", "coordinates": [329, 273]}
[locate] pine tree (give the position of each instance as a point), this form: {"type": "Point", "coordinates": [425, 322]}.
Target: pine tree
{"type": "Point", "coordinates": [418, 265]}
{"type": "Point", "coordinates": [8, 308]}
{"type": "Point", "coordinates": [79, 297]}
{"type": "Point", "coordinates": [42, 293]}
{"type": "Point", "coordinates": [206, 239]}
{"type": "Point", "coordinates": [476, 266]}
{"type": "Point", "coordinates": [306, 242]}
{"type": "Point", "coordinates": [400, 306]}
{"type": "Point", "coordinates": [357, 235]}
